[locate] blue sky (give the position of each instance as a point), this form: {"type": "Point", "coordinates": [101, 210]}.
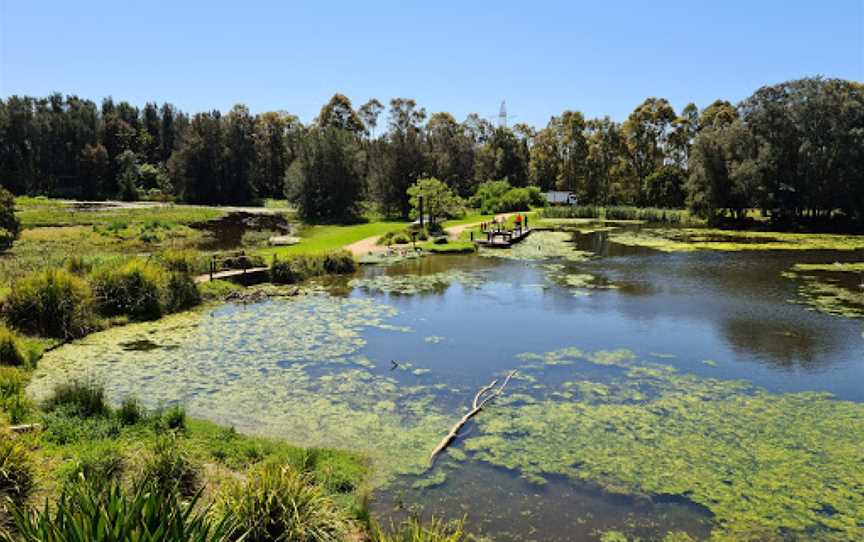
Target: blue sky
{"type": "Point", "coordinates": [542, 57]}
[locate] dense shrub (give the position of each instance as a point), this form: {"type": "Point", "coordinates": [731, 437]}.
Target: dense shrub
{"type": "Point", "coordinates": [499, 197]}
{"type": "Point", "coordinates": [339, 263]}
{"type": "Point", "coordinates": [54, 303]}
{"type": "Point", "coordinates": [488, 196]}
{"type": "Point", "coordinates": [10, 351]}
{"type": "Point", "coordinates": [279, 503]}
{"type": "Point", "coordinates": [134, 289]}
{"type": "Point", "coordinates": [82, 399]}
{"type": "Point", "coordinates": [181, 292]}
{"type": "Point", "coordinates": [85, 513]}
{"type": "Point", "coordinates": [10, 226]}
{"type": "Point", "coordinates": [183, 261]}
{"type": "Point", "coordinates": [16, 470]}
{"type": "Point", "coordinates": [300, 267]}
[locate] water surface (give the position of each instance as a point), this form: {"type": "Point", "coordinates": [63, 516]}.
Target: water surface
{"type": "Point", "coordinates": [386, 365]}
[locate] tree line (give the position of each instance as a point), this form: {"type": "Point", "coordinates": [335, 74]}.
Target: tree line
{"type": "Point", "coordinates": [794, 150]}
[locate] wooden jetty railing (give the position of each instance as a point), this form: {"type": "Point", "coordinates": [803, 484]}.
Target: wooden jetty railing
{"type": "Point", "coordinates": [246, 272]}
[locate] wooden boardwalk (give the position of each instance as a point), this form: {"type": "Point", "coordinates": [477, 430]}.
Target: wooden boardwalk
{"type": "Point", "coordinates": [251, 274]}
{"type": "Point", "coordinates": [503, 239]}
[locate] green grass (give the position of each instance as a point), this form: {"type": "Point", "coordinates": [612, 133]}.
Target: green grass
{"type": "Point", "coordinates": [325, 238]}
{"type": "Point", "coordinates": [40, 212]}
{"type": "Point", "coordinates": [455, 247]}
{"type": "Point", "coordinates": [54, 233]}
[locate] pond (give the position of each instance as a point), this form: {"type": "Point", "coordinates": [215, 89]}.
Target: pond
{"type": "Point", "coordinates": [657, 394]}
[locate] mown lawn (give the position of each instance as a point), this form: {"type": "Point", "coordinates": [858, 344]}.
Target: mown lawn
{"type": "Point", "coordinates": [323, 238]}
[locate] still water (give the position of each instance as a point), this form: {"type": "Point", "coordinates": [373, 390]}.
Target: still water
{"type": "Point", "coordinates": [387, 365]}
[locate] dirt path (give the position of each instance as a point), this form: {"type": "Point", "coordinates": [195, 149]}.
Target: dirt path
{"type": "Point", "coordinates": [370, 244]}
{"type": "Point", "coordinates": [365, 246]}
{"type": "Point", "coordinates": [453, 232]}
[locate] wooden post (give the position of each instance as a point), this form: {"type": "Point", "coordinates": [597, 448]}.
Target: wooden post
{"type": "Point", "coordinates": [212, 265]}
{"type": "Point", "coordinates": [420, 200]}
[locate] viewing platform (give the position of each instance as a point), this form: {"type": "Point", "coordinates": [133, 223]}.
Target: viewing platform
{"type": "Point", "coordinates": [503, 238]}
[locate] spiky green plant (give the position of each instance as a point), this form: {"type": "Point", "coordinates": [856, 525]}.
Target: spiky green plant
{"type": "Point", "coordinates": [16, 470]}
{"type": "Point", "coordinates": [87, 513]}
{"type": "Point", "coordinates": [415, 530]}
{"type": "Point", "coordinates": [277, 503]}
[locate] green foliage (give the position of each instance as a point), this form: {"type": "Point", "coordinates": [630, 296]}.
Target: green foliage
{"type": "Point", "coordinates": [10, 226]}
{"type": "Point", "coordinates": [183, 261]}
{"type": "Point", "coordinates": [85, 399]}
{"type": "Point", "coordinates": [298, 268]}
{"type": "Point", "coordinates": [53, 303]}
{"type": "Point", "coordinates": [10, 350]}
{"type": "Point", "coordinates": [11, 382]}
{"type": "Point", "coordinates": [168, 468]}
{"type": "Point", "coordinates": [499, 197]}
{"type": "Point", "coordinates": [278, 503]}
{"type": "Point", "coordinates": [16, 471]}
{"type": "Point", "coordinates": [134, 289]}
{"type": "Point", "coordinates": [415, 530]}
{"type": "Point", "coordinates": [439, 202]}
{"type": "Point", "coordinates": [665, 187]}
{"type": "Point", "coordinates": [130, 411]}
{"type": "Point", "coordinates": [98, 465]}
{"type": "Point", "coordinates": [217, 289]}
{"type": "Point", "coordinates": [488, 196]}
{"type": "Point", "coordinates": [181, 292]}
{"type": "Point", "coordinates": [325, 181]}
{"type": "Point", "coordinates": [85, 513]}
{"type": "Point", "coordinates": [174, 418]}
{"type": "Point", "coordinates": [128, 176]}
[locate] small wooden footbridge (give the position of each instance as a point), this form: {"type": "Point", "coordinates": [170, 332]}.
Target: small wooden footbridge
{"type": "Point", "coordinates": [242, 271]}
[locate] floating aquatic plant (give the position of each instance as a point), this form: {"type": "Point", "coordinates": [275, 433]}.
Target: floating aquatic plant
{"type": "Point", "coordinates": [690, 239]}
{"type": "Point", "coordinates": [767, 465]}
{"type": "Point", "coordinates": [286, 368]}
{"type": "Point", "coordinates": [409, 284]}
{"type": "Point", "coordinates": [836, 289]}
{"type": "Point", "coordinates": [541, 245]}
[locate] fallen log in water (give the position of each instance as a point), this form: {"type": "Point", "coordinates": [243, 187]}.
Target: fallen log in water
{"type": "Point", "coordinates": [477, 405]}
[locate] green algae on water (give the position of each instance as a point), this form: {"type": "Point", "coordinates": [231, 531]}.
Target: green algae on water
{"type": "Point", "coordinates": [836, 289]}
{"type": "Point", "coordinates": [283, 368]}
{"type": "Point", "coordinates": [410, 284]}
{"type": "Point", "coordinates": [767, 466]}
{"type": "Point", "coordinates": [540, 245]}
{"type": "Point", "coordinates": [691, 239]}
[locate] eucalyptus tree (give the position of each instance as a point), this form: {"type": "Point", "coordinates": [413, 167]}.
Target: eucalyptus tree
{"type": "Point", "coordinates": [450, 153]}
{"type": "Point", "coordinates": [646, 132]}
{"type": "Point", "coordinates": [338, 113]}
{"type": "Point", "coordinates": [369, 113]}
{"type": "Point", "coordinates": [398, 160]}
